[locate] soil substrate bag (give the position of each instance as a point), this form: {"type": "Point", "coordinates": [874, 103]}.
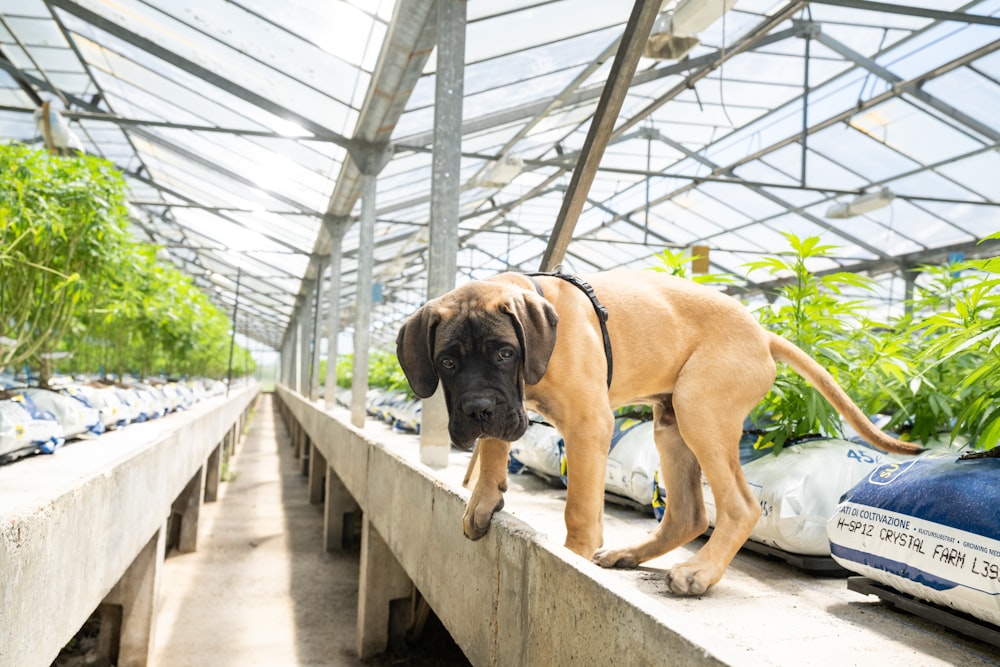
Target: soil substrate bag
{"type": "Point", "coordinates": [633, 464]}
{"type": "Point", "coordinates": [33, 429]}
{"type": "Point", "coordinates": [540, 450]}
{"type": "Point", "coordinates": [928, 527]}
{"type": "Point", "coordinates": [75, 417]}
{"type": "Point", "coordinates": [799, 489]}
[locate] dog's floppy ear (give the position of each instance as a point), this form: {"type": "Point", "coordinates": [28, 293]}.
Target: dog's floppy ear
{"type": "Point", "coordinates": [535, 320]}
{"type": "Point", "coordinates": [414, 349]}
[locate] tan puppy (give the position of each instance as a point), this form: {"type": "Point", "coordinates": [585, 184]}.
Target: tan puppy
{"type": "Point", "coordinates": [697, 356]}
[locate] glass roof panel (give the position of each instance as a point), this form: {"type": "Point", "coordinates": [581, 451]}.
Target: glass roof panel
{"type": "Point", "coordinates": [913, 132]}
{"type": "Point", "coordinates": [977, 173]}
{"type": "Point", "coordinates": [347, 30]}
{"type": "Point", "coordinates": [977, 95]}
{"type": "Point", "coordinates": [879, 162]}
{"type": "Point", "coordinates": [198, 99]}
{"type": "Point", "coordinates": [512, 67]}
{"type": "Point", "coordinates": [539, 24]}
{"type": "Point", "coordinates": [35, 31]}
{"type": "Point", "coordinates": [227, 62]}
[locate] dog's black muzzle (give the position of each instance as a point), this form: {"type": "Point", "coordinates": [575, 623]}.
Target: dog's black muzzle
{"type": "Point", "coordinates": [484, 415]}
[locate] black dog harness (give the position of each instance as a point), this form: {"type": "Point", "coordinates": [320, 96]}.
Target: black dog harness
{"type": "Point", "coordinates": [602, 312]}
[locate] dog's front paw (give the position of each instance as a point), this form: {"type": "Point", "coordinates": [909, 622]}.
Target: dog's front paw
{"type": "Point", "coordinates": [477, 518]}
{"type": "Point", "coordinates": [622, 558]}
{"type": "Point", "coordinates": [692, 578]}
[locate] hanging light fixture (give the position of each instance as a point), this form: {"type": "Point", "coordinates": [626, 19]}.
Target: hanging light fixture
{"type": "Point", "coordinates": [863, 203]}
{"type": "Point", "coordinates": [56, 133]}
{"type": "Point", "coordinates": [501, 172]}
{"type": "Point", "coordinates": [673, 33]}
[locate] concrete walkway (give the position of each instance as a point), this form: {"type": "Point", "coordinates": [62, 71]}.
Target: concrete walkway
{"type": "Point", "coordinates": [259, 590]}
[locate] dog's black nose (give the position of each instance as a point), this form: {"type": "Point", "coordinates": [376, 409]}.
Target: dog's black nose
{"type": "Point", "coordinates": [479, 410]}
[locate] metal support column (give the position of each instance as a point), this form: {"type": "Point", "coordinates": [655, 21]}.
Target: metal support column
{"type": "Point", "coordinates": [363, 299]}
{"type": "Point", "coordinates": [336, 228]}
{"type": "Point", "coordinates": [446, 185]}
{"type": "Point", "coordinates": [295, 363]}
{"type": "Point", "coordinates": [317, 330]}
{"type": "Point", "coordinates": [305, 331]}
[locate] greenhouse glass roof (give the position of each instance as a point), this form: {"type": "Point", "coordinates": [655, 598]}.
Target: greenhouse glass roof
{"type": "Point", "coordinates": [238, 124]}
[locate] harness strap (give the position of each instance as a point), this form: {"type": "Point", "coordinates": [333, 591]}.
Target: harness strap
{"type": "Point", "coordinates": [584, 286]}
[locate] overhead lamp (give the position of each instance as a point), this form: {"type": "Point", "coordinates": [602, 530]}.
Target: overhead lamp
{"type": "Point", "coordinates": [501, 172]}
{"type": "Point", "coordinates": [673, 32]}
{"type": "Point", "coordinates": [863, 203]}
{"type": "Point", "coordinates": [56, 133]}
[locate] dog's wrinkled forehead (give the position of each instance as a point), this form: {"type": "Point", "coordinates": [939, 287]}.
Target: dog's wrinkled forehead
{"type": "Point", "coordinates": [471, 317]}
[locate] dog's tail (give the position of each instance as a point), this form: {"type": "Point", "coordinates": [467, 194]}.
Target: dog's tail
{"type": "Point", "coordinates": [820, 378]}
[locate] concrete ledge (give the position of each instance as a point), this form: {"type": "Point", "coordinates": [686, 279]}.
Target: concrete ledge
{"type": "Point", "coordinates": [517, 597]}
{"type": "Point", "coordinates": [72, 524]}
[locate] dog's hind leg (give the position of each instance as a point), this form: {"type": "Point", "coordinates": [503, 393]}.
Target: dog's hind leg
{"type": "Point", "coordinates": [684, 518]}
{"type": "Point", "coordinates": [710, 412]}
{"type": "Point", "coordinates": [487, 495]}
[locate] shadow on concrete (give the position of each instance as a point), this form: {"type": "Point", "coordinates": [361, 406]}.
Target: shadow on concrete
{"type": "Point", "coordinates": [260, 589]}
{"type": "Point", "coordinates": [323, 586]}
{"type": "Point", "coordinates": [433, 648]}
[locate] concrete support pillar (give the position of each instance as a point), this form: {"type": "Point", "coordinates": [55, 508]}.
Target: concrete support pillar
{"type": "Point", "coordinates": [213, 473]}
{"type": "Point", "coordinates": [382, 580]}
{"type": "Point", "coordinates": [337, 510]}
{"type": "Point", "coordinates": [305, 453]}
{"type": "Point", "coordinates": [446, 186]}
{"type": "Point", "coordinates": [317, 473]}
{"type": "Point", "coordinates": [296, 439]}
{"type": "Point", "coordinates": [188, 507]}
{"type": "Point", "coordinates": [126, 636]}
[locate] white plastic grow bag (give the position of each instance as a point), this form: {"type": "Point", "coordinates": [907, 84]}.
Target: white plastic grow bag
{"type": "Point", "coordinates": [799, 489]}
{"type": "Point", "coordinates": [75, 417]}
{"type": "Point", "coordinates": [633, 463]}
{"type": "Point", "coordinates": [113, 411]}
{"type": "Point", "coordinates": [406, 414]}
{"type": "Point", "coordinates": [928, 527]}
{"type": "Point", "coordinates": [25, 429]}
{"type": "Point", "coordinates": [540, 450]}
{"type": "Point", "coordinates": [14, 428]}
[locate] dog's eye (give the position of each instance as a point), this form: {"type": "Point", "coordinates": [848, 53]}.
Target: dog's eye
{"type": "Point", "coordinates": [505, 354]}
{"type": "Point", "coordinates": [448, 364]}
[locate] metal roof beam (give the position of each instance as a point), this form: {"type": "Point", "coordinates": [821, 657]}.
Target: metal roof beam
{"type": "Point", "coordinates": [199, 71]}
{"type": "Point", "coordinates": [138, 122]}
{"type": "Point", "coordinates": [912, 88]}
{"type": "Point", "coordinates": [602, 125]}
{"type": "Point", "coordinates": [909, 10]}
{"type": "Point", "coordinates": [408, 44]}
{"type": "Point", "coordinates": [532, 109]}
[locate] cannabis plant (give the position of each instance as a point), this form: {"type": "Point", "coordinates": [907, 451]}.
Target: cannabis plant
{"type": "Point", "coordinates": [62, 229]}
{"type": "Point", "coordinates": [964, 342]}
{"type": "Point", "coordinates": [677, 263]}
{"type": "Point", "coordinates": [812, 311]}
{"type": "Point", "coordinates": [934, 392]}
